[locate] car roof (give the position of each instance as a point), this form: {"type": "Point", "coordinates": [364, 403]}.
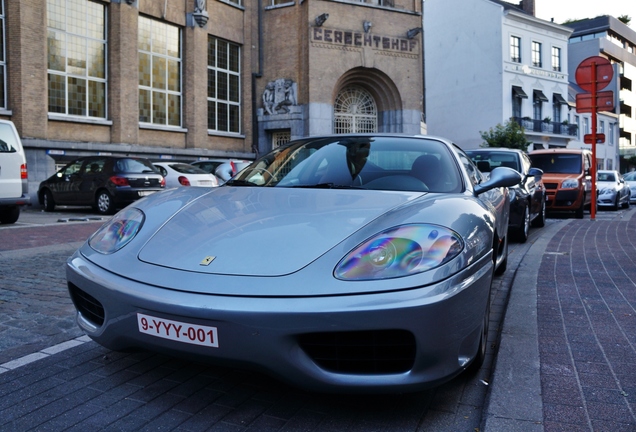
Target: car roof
{"type": "Point", "coordinates": [563, 150]}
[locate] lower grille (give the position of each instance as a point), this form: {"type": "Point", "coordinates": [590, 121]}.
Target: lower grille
{"type": "Point", "coordinates": [90, 308]}
{"type": "Point", "coordinates": [364, 352]}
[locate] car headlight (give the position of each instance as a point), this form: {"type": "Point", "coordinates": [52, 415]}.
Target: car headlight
{"type": "Point", "coordinates": [118, 232]}
{"type": "Point", "coordinates": [570, 184]}
{"type": "Point", "coordinates": [400, 251]}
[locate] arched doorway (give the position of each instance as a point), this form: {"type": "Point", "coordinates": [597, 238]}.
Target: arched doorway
{"type": "Point", "coordinates": [355, 111]}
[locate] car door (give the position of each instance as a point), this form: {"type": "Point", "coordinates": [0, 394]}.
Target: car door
{"type": "Point", "coordinates": [534, 185]}
{"type": "Point", "coordinates": [90, 179]}
{"type": "Point", "coordinates": [65, 184]}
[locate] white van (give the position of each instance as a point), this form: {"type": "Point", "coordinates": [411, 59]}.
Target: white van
{"type": "Point", "coordinates": [14, 187]}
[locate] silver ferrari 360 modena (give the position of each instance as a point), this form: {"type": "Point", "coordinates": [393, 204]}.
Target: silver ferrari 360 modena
{"type": "Point", "coordinates": [347, 263]}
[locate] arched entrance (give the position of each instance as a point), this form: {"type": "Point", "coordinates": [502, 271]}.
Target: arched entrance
{"type": "Point", "coordinates": [355, 111]}
{"type": "Point", "coordinates": [366, 100]}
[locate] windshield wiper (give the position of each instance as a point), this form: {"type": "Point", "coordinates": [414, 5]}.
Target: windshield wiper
{"type": "Point", "coordinates": [327, 186]}
{"type": "Point", "coordinates": [239, 183]}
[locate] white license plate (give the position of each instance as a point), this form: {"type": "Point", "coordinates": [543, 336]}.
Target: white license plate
{"type": "Point", "coordinates": [145, 193]}
{"type": "Point", "coordinates": [178, 331]}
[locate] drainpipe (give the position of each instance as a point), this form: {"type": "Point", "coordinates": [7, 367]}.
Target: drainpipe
{"type": "Point", "coordinates": [256, 75]}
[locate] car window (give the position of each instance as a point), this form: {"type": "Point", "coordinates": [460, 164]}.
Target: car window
{"type": "Point", "coordinates": [8, 143]}
{"type": "Point", "coordinates": [486, 161]}
{"type": "Point", "coordinates": [72, 168]}
{"type": "Point", "coordinates": [381, 163]}
{"type": "Point", "coordinates": [473, 172]}
{"type": "Point", "coordinates": [630, 176]}
{"type": "Point", "coordinates": [609, 177]}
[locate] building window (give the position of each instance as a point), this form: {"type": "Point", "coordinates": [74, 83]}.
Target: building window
{"type": "Point", "coordinates": [586, 125]}
{"type": "Point", "coordinates": [76, 43]}
{"type": "Point", "coordinates": [355, 111]}
{"type": "Point", "coordinates": [610, 137]}
{"type": "Point", "coordinates": [577, 122]}
{"type": "Point", "coordinates": [3, 61]}
{"type": "Point", "coordinates": [556, 59]}
{"type": "Point", "coordinates": [159, 47]}
{"type": "Point", "coordinates": [515, 49]}
{"type": "Point", "coordinates": [516, 107]}
{"type": "Point", "coordinates": [537, 106]}
{"type": "Point", "coordinates": [236, 2]}
{"type": "Point", "coordinates": [280, 137]}
{"type": "Point", "coordinates": [536, 54]}
{"type": "Point", "coordinates": [224, 86]}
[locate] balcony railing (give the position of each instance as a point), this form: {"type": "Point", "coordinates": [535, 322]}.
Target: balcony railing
{"type": "Point", "coordinates": [547, 127]}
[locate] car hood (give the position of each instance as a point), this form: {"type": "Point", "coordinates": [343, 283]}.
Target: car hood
{"type": "Point", "coordinates": [263, 231]}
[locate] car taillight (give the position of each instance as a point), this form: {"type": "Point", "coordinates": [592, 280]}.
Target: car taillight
{"type": "Point", "coordinates": [163, 182]}
{"type": "Point", "coordinates": [183, 181]}
{"type": "Point", "coordinates": [119, 181]}
{"type": "Point", "coordinates": [23, 172]}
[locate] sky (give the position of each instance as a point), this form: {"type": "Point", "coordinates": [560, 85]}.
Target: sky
{"type": "Point", "coordinates": [563, 10]}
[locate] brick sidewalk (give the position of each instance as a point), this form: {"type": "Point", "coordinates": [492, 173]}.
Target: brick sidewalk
{"type": "Point", "coordinates": [586, 309]}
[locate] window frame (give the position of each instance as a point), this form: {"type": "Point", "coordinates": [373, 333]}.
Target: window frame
{"type": "Point", "coordinates": [515, 49]}
{"type": "Point", "coordinates": [556, 59]}
{"type": "Point", "coordinates": [3, 59]}
{"type": "Point", "coordinates": [66, 35]}
{"type": "Point", "coordinates": [166, 91]}
{"type": "Point", "coordinates": [536, 54]}
{"type": "Point", "coordinates": [229, 104]}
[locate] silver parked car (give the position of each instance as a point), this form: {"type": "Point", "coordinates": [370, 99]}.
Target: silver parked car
{"type": "Point", "coordinates": [612, 190]}
{"type": "Point", "coordinates": [630, 179]}
{"type": "Point", "coordinates": [338, 263]}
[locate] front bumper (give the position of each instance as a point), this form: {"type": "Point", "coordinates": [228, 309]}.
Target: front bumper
{"type": "Point", "coordinates": [437, 328]}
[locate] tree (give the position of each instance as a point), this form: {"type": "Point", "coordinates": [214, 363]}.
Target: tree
{"type": "Point", "coordinates": [625, 19]}
{"type": "Point", "coordinates": [510, 135]}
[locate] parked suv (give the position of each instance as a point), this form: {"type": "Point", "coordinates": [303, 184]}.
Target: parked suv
{"type": "Point", "coordinates": [103, 182]}
{"type": "Point", "coordinates": [14, 188]}
{"type": "Point", "coordinates": [527, 199]}
{"type": "Point", "coordinates": [567, 178]}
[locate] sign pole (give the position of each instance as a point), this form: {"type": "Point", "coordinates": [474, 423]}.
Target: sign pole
{"type": "Point", "coordinates": [594, 108]}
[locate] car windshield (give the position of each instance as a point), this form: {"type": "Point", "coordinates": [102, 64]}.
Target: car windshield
{"type": "Point", "coordinates": [134, 166]}
{"type": "Point", "coordinates": [486, 161]}
{"type": "Point", "coordinates": [606, 177]}
{"type": "Point", "coordinates": [630, 176]}
{"type": "Point", "coordinates": [379, 163]}
{"type": "Point", "coordinates": [557, 163]}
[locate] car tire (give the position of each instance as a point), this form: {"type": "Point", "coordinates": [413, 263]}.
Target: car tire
{"type": "Point", "coordinates": [503, 265]}
{"type": "Point", "coordinates": [47, 201]}
{"type": "Point", "coordinates": [617, 202]}
{"type": "Point", "coordinates": [9, 215]}
{"type": "Point", "coordinates": [539, 221]}
{"type": "Point", "coordinates": [521, 234]}
{"type": "Point", "coordinates": [104, 203]}
{"type": "Point", "coordinates": [579, 212]}
{"type": "Point", "coordinates": [480, 356]}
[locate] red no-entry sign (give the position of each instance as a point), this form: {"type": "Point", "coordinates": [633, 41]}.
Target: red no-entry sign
{"type": "Point", "coordinates": [604, 73]}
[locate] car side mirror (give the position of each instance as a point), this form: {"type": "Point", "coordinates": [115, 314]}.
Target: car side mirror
{"type": "Point", "coordinates": [499, 177]}
{"type": "Point", "coordinates": [535, 172]}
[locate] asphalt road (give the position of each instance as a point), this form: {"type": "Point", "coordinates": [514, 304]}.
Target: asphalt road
{"type": "Point", "coordinates": [54, 378]}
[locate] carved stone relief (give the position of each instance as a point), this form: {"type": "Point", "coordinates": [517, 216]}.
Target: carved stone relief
{"type": "Point", "coordinates": [279, 95]}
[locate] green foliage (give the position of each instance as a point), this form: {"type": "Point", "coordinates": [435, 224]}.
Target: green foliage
{"type": "Point", "coordinates": [510, 135]}
{"type": "Point", "coordinates": [625, 19]}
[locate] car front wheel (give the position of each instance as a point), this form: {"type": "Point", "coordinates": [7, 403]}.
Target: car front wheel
{"type": "Point", "coordinates": [539, 221]}
{"type": "Point", "coordinates": [521, 235]}
{"type": "Point", "coordinates": [104, 203]}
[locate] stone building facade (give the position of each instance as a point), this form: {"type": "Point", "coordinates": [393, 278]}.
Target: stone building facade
{"type": "Point", "coordinates": [197, 79]}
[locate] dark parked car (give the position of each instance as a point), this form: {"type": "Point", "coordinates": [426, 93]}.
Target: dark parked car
{"type": "Point", "coordinates": [527, 199]}
{"type": "Point", "coordinates": [341, 263]}
{"type": "Point", "coordinates": [103, 182]}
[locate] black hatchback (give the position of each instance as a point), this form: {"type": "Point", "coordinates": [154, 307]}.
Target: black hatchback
{"type": "Point", "coordinates": [104, 182]}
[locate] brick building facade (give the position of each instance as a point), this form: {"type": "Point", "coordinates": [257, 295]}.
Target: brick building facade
{"type": "Point", "coordinates": [196, 79]}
